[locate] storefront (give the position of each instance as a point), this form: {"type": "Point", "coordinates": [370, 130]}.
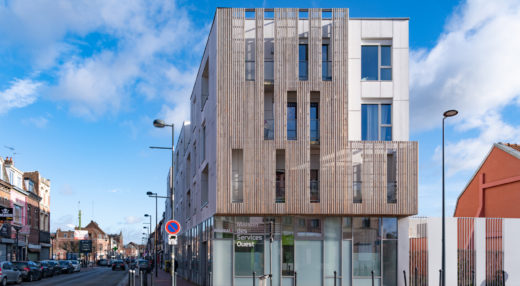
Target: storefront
{"type": "Point", "coordinates": [312, 250]}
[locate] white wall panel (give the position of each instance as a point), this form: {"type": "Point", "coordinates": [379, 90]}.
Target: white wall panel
{"type": "Point", "coordinates": [370, 29]}
{"type": "Point", "coordinates": [400, 73]}
{"type": "Point", "coordinates": [400, 34]}
{"type": "Point", "coordinates": [400, 120]}
{"type": "Point", "coordinates": [434, 249]}
{"type": "Point", "coordinates": [386, 28]}
{"type": "Point", "coordinates": [370, 89]}
{"type": "Point", "coordinates": [511, 234]}
{"type": "Point", "coordinates": [451, 251]}
{"type": "Point", "coordinates": [354, 38]}
{"type": "Point", "coordinates": [354, 87]}
{"type": "Point", "coordinates": [354, 125]}
{"type": "Point", "coordinates": [403, 246]}
{"type": "Point", "coordinates": [480, 250]}
{"type": "Point", "coordinates": [387, 89]}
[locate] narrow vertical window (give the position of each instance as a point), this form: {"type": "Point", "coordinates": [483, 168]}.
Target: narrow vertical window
{"type": "Point", "coordinates": [204, 187]}
{"type": "Point", "coordinates": [237, 163]}
{"type": "Point", "coordinates": [315, 176]}
{"type": "Point", "coordinates": [291, 116]}
{"type": "Point", "coordinates": [386, 122]}
{"type": "Point", "coordinates": [268, 115]}
{"type": "Point", "coordinates": [250, 38]}
{"type": "Point", "coordinates": [204, 92]}
{"type": "Point", "coordinates": [326, 63]}
{"type": "Point", "coordinates": [357, 167]}
{"type": "Point", "coordinates": [386, 62]}
{"type": "Point", "coordinates": [268, 49]}
{"type": "Point", "coordinates": [280, 176]}
{"type": "Point", "coordinates": [369, 63]}
{"type": "Point", "coordinates": [391, 177]}
{"type": "Point", "coordinates": [303, 58]}
{"type": "Point", "coordinates": [203, 141]}
{"type": "Point", "coordinates": [315, 122]}
{"type": "Point", "coordinates": [287, 246]}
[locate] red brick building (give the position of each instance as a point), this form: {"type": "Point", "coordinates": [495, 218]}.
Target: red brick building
{"type": "Point", "coordinates": [494, 190]}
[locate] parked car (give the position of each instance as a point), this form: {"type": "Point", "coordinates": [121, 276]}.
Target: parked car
{"type": "Point", "coordinates": [143, 264]}
{"type": "Point", "coordinates": [102, 262]}
{"type": "Point", "coordinates": [49, 268]}
{"type": "Point", "coordinates": [132, 264]}
{"type": "Point", "coordinates": [77, 265]}
{"type": "Point", "coordinates": [29, 270]}
{"type": "Point", "coordinates": [45, 269]}
{"type": "Point", "coordinates": [66, 266]}
{"type": "Point", "coordinates": [57, 267]}
{"type": "Point", "coordinates": [9, 273]}
{"type": "Point", "coordinates": [118, 265]}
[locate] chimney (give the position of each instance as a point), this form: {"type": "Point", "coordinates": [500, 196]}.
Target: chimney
{"type": "Point", "coordinates": [9, 161]}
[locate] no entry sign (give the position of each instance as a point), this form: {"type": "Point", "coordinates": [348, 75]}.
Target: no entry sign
{"type": "Point", "coordinates": [173, 227]}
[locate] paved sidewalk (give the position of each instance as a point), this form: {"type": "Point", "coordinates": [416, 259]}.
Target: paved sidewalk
{"type": "Point", "coordinates": [165, 279]}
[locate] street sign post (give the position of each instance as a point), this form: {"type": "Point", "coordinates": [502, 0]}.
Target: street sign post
{"type": "Point", "coordinates": [172, 227]}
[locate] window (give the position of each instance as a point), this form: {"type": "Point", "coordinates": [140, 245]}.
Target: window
{"type": "Point", "coordinates": [376, 121]}
{"type": "Point", "coordinates": [391, 177]}
{"type": "Point", "coordinates": [250, 36]}
{"type": "Point", "coordinates": [326, 14]}
{"type": "Point", "coordinates": [203, 141]}
{"type": "Point", "coordinates": [303, 14]}
{"type": "Point", "coordinates": [250, 15]}
{"type": "Point", "coordinates": [268, 14]}
{"type": "Point", "coordinates": [30, 185]}
{"type": "Point", "coordinates": [389, 236]}
{"type": "Point", "coordinates": [17, 214]}
{"type": "Point", "coordinates": [237, 195]}
{"type": "Point", "coordinates": [287, 246]}
{"type": "Point", "coordinates": [315, 122]}
{"type": "Point", "coordinates": [204, 186]}
{"type": "Point", "coordinates": [326, 63]}
{"type": "Point", "coordinates": [315, 176]}
{"type": "Point", "coordinates": [268, 116]}
{"type": "Point", "coordinates": [29, 215]}
{"type": "Point", "coordinates": [291, 121]}
{"type": "Point", "coordinates": [357, 167]}
{"type": "Point", "coordinates": [204, 94]}
{"type": "Point", "coordinates": [64, 235]}
{"type": "Point", "coordinates": [249, 250]}
{"type": "Point", "coordinates": [367, 247]}
{"type": "Point", "coordinates": [280, 176]}
{"type": "Point", "coordinates": [303, 58]}
{"type": "Point", "coordinates": [376, 62]}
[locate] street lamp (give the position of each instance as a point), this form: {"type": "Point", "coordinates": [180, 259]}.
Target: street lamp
{"type": "Point", "coordinates": [154, 195]}
{"type": "Point", "coordinates": [449, 113]}
{"type": "Point", "coordinates": [159, 123]}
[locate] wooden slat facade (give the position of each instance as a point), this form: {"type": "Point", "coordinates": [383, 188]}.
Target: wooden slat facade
{"type": "Point", "coordinates": [240, 125]}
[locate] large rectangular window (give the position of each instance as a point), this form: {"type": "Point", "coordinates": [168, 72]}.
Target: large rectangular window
{"type": "Point", "coordinates": [280, 176]}
{"type": "Point", "coordinates": [376, 122]}
{"type": "Point", "coordinates": [237, 192]}
{"type": "Point", "coordinates": [367, 247]}
{"type": "Point", "coordinates": [376, 62]}
{"type": "Point", "coordinates": [287, 246]}
{"type": "Point", "coordinates": [249, 248]}
{"type": "Point", "coordinates": [303, 60]}
{"type": "Point", "coordinates": [291, 120]}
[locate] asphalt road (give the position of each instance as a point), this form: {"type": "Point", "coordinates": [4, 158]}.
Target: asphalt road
{"type": "Point", "coordinates": [97, 276]}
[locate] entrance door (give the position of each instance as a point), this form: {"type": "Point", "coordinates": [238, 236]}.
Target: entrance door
{"type": "Point", "coordinates": [308, 256]}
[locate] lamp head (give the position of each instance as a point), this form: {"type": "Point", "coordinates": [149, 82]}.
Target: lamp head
{"type": "Point", "coordinates": [450, 113]}
{"type": "Point", "coordinates": [159, 123]}
{"type": "Point", "coordinates": [149, 193]}
{"type": "Point", "coordinates": [146, 215]}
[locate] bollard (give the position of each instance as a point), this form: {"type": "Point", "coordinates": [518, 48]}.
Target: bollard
{"type": "Point", "coordinates": [372, 272]}
{"type": "Point", "coordinates": [210, 281]}
{"type": "Point", "coordinates": [404, 275]}
{"type": "Point", "coordinates": [295, 283]}
{"type": "Point", "coordinates": [440, 277]}
{"type": "Point", "coordinates": [503, 278]}
{"type": "Point", "coordinates": [334, 278]}
{"type": "Point", "coordinates": [254, 278]}
{"type": "Point", "coordinates": [140, 277]}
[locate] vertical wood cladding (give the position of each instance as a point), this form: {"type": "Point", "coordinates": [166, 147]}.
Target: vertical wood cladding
{"type": "Point", "coordinates": [240, 125]}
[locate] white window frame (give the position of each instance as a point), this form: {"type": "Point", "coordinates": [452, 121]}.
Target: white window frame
{"type": "Point", "coordinates": [378, 43]}
{"type": "Point", "coordinates": [379, 124]}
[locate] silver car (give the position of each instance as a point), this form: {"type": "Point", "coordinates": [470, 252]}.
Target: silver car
{"type": "Point", "coordinates": [77, 265]}
{"type": "Point", "coordinates": [9, 273]}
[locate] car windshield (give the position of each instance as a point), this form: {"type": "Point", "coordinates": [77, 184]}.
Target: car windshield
{"type": "Point", "coordinates": [64, 262]}
{"type": "Point", "coordinates": [74, 262]}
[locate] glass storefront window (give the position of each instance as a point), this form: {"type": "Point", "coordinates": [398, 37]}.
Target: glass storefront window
{"type": "Point", "coordinates": [389, 262]}
{"type": "Point", "coordinates": [367, 246]}
{"type": "Point", "coordinates": [389, 228]}
{"type": "Point", "coordinates": [223, 227]}
{"type": "Point", "coordinates": [308, 227]}
{"type": "Point", "coordinates": [346, 227]}
{"type": "Point", "coordinates": [287, 246]}
{"type": "Point", "coordinates": [249, 254]}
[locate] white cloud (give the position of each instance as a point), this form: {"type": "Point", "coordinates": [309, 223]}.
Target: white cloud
{"type": "Point", "coordinates": [138, 43]}
{"type": "Point", "coordinates": [21, 93]}
{"type": "Point", "coordinates": [472, 68]}
{"type": "Point", "coordinates": [133, 220]}
{"type": "Point", "coordinates": [40, 122]}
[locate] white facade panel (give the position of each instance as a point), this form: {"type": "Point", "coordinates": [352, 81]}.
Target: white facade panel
{"type": "Point", "coordinates": [511, 235]}
{"type": "Point", "coordinates": [354, 87]}
{"type": "Point", "coordinates": [386, 28]}
{"type": "Point", "coordinates": [400, 73]}
{"type": "Point", "coordinates": [400, 120]}
{"type": "Point", "coordinates": [354, 125]}
{"type": "Point", "coordinates": [370, 89]}
{"type": "Point", "coordinates": [403, 250]}
{"type": "Point", "coordinates": [370, 29]}
{"type": "Point", "coordinates": [451, 251]}
{"type": "Point", "coordinates": [354, 40]}
{"type": "Point", "coordinates": [400, 34]}
{"type": "Point", "coordinates": [434, 249]}
{"type": "Point", "coordinates": [480, 250]}
{"type": "Point", "coordinates": [387, 89]}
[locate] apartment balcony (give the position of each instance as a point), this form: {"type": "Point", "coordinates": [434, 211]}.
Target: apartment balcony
{"type": "Point", "coordinates": [326, 70]}
{"type": "Point", "coordinates": [268, 129]}
{"type": "Point", "coordinates": [315, 131]}
{"type": "Point", "coordinates": [268, 72]}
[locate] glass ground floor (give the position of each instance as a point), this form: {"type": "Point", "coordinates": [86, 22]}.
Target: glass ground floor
{"type": "Point", "coordinates": [292, 250]}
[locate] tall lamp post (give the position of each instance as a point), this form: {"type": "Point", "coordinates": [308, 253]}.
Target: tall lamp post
{"type": "Point", "coordinates": [154, 195]}
{"type": "Point", "coordinates": [161, 124]}
{"type": "Point", "coordinates": [449, 113]}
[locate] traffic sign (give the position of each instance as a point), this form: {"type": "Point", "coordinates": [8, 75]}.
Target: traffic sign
{"type": "Point", "coordinates": [172, 240]}
{"type": "Point", "coordinates": [173, 227]}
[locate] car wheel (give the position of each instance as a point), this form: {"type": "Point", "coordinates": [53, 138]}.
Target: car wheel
{"type": "Point", "coordinates": [4, 281]}
{"type": "Point", "coordinates": [19, 281]}
{"type": "Point", "coordinates": [30, 278]}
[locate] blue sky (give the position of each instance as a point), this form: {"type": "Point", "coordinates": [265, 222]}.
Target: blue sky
{"type": "Point", "coordinates": [82, 81]}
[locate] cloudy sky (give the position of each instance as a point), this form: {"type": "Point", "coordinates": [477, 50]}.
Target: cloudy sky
{"type": "Point", "coordinates": [82, 81]}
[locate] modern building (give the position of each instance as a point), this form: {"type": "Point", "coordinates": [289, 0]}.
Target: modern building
{"type": "Point", "coordinates": [296, 161]}
{"type": "Point", "coordinates": [494, 189]}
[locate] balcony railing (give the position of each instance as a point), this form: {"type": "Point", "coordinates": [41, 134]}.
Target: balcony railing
{"type": "Point", "coordinates": [280, 191]}
{"type": "Point", "coordinates": [315, 191]}
{"type": "Point", "coordinates": [326, 70]}
{"type": "Point", "coordinates": [291, 129]}
{"type": "Point", "coordinates": [391, 192]}
{"type": "Point", "coordinates": [268, 129]}
{"type": "Point", "coordinates": [315, 131]}
{"type": "Point", "coordinates": [268, 71]}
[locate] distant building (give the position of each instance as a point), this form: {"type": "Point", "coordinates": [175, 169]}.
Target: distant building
{"type": "Point", "coordinates": [133, 250]}
{"type": "Point", "coordinates": [494, 189]}
{"type": "Point", "coordinates": [41, 187]}
{"type": "Point", "coordinates": [116, 242]}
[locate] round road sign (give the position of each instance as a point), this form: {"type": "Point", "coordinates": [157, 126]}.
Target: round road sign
{"type": "Point", "coordinates": [172, 227]}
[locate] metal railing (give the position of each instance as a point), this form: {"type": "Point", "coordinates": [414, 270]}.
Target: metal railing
{"type": "Point", "coordinates": [315, 131]}
{"type": "Point", "coordinates": [315, 191]}
{"type": "Point", "coordinates": [268, 129]}
{"type": "Point", "coordinates": [326, 70]}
